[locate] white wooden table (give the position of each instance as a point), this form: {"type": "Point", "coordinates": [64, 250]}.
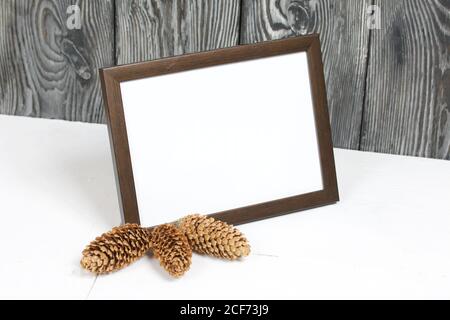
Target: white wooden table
{"type": "Point", "coordinates": [389, 237]}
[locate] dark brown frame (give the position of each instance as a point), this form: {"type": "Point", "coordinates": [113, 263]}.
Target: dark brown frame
{"type": "Point", "coordinates": [112, 77]}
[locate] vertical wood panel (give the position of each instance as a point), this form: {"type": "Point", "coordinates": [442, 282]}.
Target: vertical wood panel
{"type": "Point", "coordinates": [153, 29]}
{"type": "Point", "coordinates": [408, 93]}
{"type": "Point", "coordinates": [47, 70]}
{"type": "Point", "coordinates": [344, 37]}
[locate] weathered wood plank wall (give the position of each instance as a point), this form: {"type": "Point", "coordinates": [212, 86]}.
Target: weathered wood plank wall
{"type": "Point", "coordinates": [149, 30]}
{"type": "Point", "coordinates": [407, 105]}
{"type": "Point", "coordinates": [344, 48]}
{"type": "Point", "coordinates": [388, 89]}
{"type": "Point", "coordinates": [47, 70]}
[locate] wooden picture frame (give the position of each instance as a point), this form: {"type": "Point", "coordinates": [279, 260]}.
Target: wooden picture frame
{"type": "Point", "coordinates": [111, 79]}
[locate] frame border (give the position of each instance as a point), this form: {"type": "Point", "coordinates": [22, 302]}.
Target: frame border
{"type": "Point", "coordinates": [113, 76]}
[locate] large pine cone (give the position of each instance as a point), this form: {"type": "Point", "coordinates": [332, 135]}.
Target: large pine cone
{"type": "Point", "coordinates": [116, 249]}
{"type": "Point", "coordinates": [172, 249]}
{"type": "Point", "coordinates": [213, 237]}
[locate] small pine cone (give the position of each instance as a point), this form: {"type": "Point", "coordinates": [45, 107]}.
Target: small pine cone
{"type": "Point", "coordinates": [172, 249]}
{"type": "Point", "coordinates": [116, 249]}
{"type": "Point", "coordinates": [213, 237]}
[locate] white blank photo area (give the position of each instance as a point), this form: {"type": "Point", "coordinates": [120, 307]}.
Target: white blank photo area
{"type": "Point", "coordinates": [221, 138]}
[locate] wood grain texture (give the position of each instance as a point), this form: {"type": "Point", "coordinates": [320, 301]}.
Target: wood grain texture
{"type": "Point", "coordinates": [148, 30]}
{"type": "Point", "coordinates": [407, 109]}
{"type": "Point", "coordinates": [344, 37]}
{"type": "Point", "coordinates": [47, 70]}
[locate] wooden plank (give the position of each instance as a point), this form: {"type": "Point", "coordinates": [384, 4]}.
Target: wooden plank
{"type": "Point", "coordinates": [408, 94]}
{"type": "Point", "coordinates": [344, 37]}
{"type": "Point", "coordinates": [148, 30]}
{"type": "Point", "coordinates": [48, 69]}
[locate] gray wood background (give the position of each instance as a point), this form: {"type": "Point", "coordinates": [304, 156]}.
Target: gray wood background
{"type": "Point", "coordinates": [47, 70]}
{"type": "Point", "coordinates": [388, 88]}
{"type": "Point", "coordinates": [407, 104]}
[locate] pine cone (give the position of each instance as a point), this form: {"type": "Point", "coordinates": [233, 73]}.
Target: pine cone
{"type": "Point", "coordinates": [172, 249]}
{"type": "Point", "coordinates": [215, 238]}
{"type": "Point", "coordinates": [116, 249]}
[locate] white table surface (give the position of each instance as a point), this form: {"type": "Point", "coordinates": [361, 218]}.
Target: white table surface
{"type": "Point", "coordinates": [388, 238]}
